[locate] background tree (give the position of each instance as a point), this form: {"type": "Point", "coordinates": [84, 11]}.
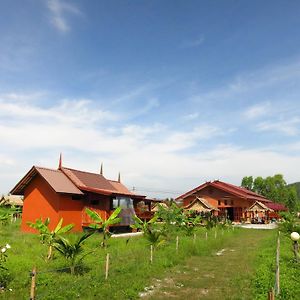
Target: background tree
{"type": "Point", "coordinates": [274, 188]}
{"type": "Point", "coordinates": [247, 182]}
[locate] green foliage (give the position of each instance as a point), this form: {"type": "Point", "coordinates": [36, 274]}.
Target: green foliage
{"type": "Point", "coordinates": [289, 223]}
{"type": "Point", "coordinates": [211, 221]}
{"type": "Point", "coordinates": [274, 188]}
{"type": "Point", "coordinates": [6, 213]}
{"type": "Point", "coordinates": [171, 218]}
{"type": "Point", "coordinates": [172, 215]}
{"type": "Point", "coordinates": [104, 225]}
{"type": "Point", "coordinates": [152, 231]}
{"type": "Point", "coordinates": [46, 235]}
{"type": "Point", "coordinates": [247, 182]}
{"type": "Point", "coordinates": [4, 273]}
{"type": "Point", "coordinates": [71, 250]}
{"type": "Point", "coordinates": [190, 224]}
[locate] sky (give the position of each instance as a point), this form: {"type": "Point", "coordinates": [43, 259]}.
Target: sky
{"type": "Point", "coordinates": [169, 93]}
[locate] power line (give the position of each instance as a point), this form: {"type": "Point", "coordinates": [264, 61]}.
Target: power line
{"type": "Point", "coordinates": [142, 189]}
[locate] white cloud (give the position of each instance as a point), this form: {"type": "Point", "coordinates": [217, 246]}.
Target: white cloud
{"type": "Point", "coordinates": [152, 157]}
{"type": "Point", "coordinates": [289, 127]}
{"type": "Point", "coordinates": [190, 117]}
{"type": "Point", "coordinates": [258, 110]}
{"type": "Point", "coordinates": [59, 10]}
{"type": "Point", "coordinates": [193, 43]}
{"type": "Point", "coordinates": [74, 112]}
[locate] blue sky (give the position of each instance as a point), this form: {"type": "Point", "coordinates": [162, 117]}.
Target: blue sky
{"type": "Point", "coordinates": [169, 93]}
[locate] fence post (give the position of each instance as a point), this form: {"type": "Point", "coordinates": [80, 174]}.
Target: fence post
{"type": "Point", "coordinates": [215, 233]}
{"type": "Point", "coordinates": [177, 242]}
{"type": "Point", "coordinates": [206, 235]}
{"type": "Point", "coordinates": [106, 266]}
{"type": "Point", "coordinates": [33, 281]}
{"type": "Point", "coordinates": [151, 253]}
{"type": "Point", "coordinates": [271, 295]}
{"type": "Point", "coordinates": [277, 280]}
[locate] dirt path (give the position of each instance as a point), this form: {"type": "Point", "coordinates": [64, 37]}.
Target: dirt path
{"type": "Point", "coordinates": [225, 274]}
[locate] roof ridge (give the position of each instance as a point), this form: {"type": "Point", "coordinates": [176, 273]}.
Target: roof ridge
{"type": "Point", "coordinates": [49, 169]}
{"type": "Point", "coordinates": [116, 181]}
{"type": "Point", "coordinates": [86, 172]}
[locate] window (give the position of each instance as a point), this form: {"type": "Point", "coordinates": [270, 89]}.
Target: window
{"type": "Point", "coordinates": [225, 202]}
{"type": "Point", "coordinates": [232, 203]}
{"type": "Point", "coordinates": [219, 202]}
{"type": "Point", "coordinates": [123, 202]}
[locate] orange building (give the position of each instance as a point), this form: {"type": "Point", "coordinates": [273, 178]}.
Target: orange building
{"type": "Point", "coordinates": [66, 193]}
{"type": "Point", "coordinates": [228, 200]}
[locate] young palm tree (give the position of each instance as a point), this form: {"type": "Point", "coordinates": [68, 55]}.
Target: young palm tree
{"type": "Point", "coordinates": [71, 250]}
{"type": "Point", "coordinates": [104, 224]}
{"type": "Point", "coordinates": [48, 236]}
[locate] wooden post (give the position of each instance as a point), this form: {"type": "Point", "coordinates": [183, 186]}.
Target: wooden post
{"type": "Point", "coordinates": [177, 242]}
{"type": "Point", "coordinates": [206, 235]}
{"type": "Point", "coordinates": [215, 233]}
{"type": "Point", "coordinates": [33, 281]}
{"type": "Point", "coordinates": [194, 240]}
{"type": "Point", "coordinates": [277, 284]}
{"type": "Point", "coordinates": [271, 295]}
{"type": "Point", "coordinates": [151, 254]}
{"type": "Point", "coordinates": [296, 250]}
{"type": "Point", "coordinates": [106, 266]}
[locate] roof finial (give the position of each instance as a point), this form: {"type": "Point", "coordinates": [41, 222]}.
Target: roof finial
{"type": "Point", "coordinates": [101, 169]}
{"type": "Point", "coordinates": [60, 162]}
{"type": "Point", "coordinates": [119, 177]}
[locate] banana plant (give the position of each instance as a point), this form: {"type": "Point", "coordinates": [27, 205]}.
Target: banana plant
{"type": "Point", "coordinates": [190, 224]}
{"type": "Point", "coordinates": [49, 236]}
{"type": "Point", "coordinates": [151, 231]}
{"type": "Point", "coordinates": [71, 250]}
{"type": "Point", "coordinates": [100, 224]}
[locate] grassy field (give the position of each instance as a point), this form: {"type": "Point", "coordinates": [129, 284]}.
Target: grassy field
{"type": "Point", "coordinates": [226, 274]}
{"type": "Point", "coordinates": [196, 265]}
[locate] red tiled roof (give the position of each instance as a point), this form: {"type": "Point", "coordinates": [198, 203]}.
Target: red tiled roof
{"type": "Point", "coordinates": [276, 206]}
{"type": "Point", "coordinates": [121, 188]}
{"type": "Point", "coordinates": [55, 178]}
{"type": "Point", "coordinates": [70, 181]}
{"type": "Point", "coordinates": [229, 188]}
{"type": "Point", "coordinates": [88, 180]}
{"type": "Point", "coordinates": [96, 183]}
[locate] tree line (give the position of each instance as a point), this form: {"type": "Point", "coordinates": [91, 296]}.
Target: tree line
{"type": "Point", "coordinates": [274, 188]}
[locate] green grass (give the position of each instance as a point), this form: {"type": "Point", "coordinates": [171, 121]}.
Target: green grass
{"type": "Point", "coordinates": [289, 270]}
{"type": "Point", "coordinates": [209, 276]}
{"type": "Point", "coordinates": [130, 268]}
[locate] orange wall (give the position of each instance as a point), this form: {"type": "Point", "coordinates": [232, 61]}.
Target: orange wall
{"type": "Point", "coordinates": [102, 208]}
{"type": "Point", "coordinates": [71, 211]}
{"type": "Point", "coordinates": [40, 201]}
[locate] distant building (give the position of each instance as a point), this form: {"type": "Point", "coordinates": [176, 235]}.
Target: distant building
{"type": "Point", "coordinates": [11, 200]}
{"type": "Point", "coordinates": [66, 193]}
{"type": "Point", "coordinates": [236, 203]}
